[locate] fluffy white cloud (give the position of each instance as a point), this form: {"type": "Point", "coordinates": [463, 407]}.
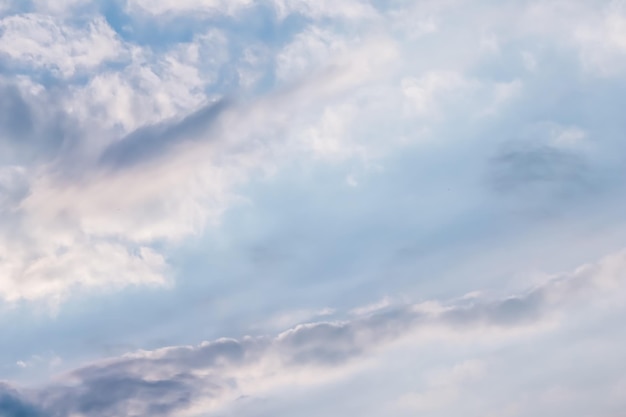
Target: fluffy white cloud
{"type": "Point", "coordinates": [42, 42]}
{"type": "Point", "coordinates": [151, 88]}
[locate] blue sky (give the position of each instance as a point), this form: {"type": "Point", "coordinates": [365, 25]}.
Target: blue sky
{"type": "Point", "coordinates": [306, 207]}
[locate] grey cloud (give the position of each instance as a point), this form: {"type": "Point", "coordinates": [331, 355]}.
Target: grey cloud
{"type": "Point", "coordinates": [16, 123]}
{"type": "Point", "coordinates": [151, 141]}
{"type": "Point", "coordinates": [163, 382]}
{"type": "Point", "coordinates": [511, 311]}
{"type": "Point", "coordinates": [216, 354]}
{"type": "Point", "coordinates": [128, 387]}
{"type": "Point", "coordinates": [38, 129]}
{"type": "Point", "coordinates": [120, 393]}
{"type": "Point", "coordinates": [323, 343]}
{"type": "Point", "coordinates": [338, 342]}
{"type": "Point", "coordinates": [32, 128]}
{"type": "Point", "coordinates": [220, 353]}
{"type": "Point", "coordinates": [539, 169]}
{"type": "Point", "coordinates": [16, 118]}
{"type": "Point", "coordinates": [13, 405]}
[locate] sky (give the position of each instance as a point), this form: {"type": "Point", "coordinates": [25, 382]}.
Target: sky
{"type": "Point", "coordinates": [309, 207]}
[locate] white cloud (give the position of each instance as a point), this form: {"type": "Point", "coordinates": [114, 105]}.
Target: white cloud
{"type": "Point", "coordinates": [328, 137]}
{"type": "Point", "coordinates": [93, 233]}
{"type": "Point", "coordinates": [172, 192]}
{"type": "Point", "coordinates": [603, 43]}
{"type": "Point", "coordinates": [597, 31]}
{"type": "Point", "coordinates": [58, 6]}
{"type": "Point", "coordinates": [569, 137]}
{"type": "Point", "coordinates": [163, 7]}
{"type": "Point", "coordinates": [425, 92]}
{"type": "Point", "coordinates": [372, 308]}
{"type": "Point", "coordinates": [51, 271]}
{"type": "Point", "coordinates": [309, 51]}
{"type": "Point", "coordinates": [41, 42]}
{"type": "Point", "coordinates": [348, 9]}
{"type": "Point", "coordinates": [152, 87]}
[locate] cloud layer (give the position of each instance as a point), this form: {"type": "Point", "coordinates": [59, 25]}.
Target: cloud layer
{"type": "Point", "coordinates": [257, 173]}
{"type": "Point", "coordinates": [193, 380]}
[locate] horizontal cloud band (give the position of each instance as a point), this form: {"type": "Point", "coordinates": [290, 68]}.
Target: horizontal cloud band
{"type": "Point", "coordinates": [181, 379]}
